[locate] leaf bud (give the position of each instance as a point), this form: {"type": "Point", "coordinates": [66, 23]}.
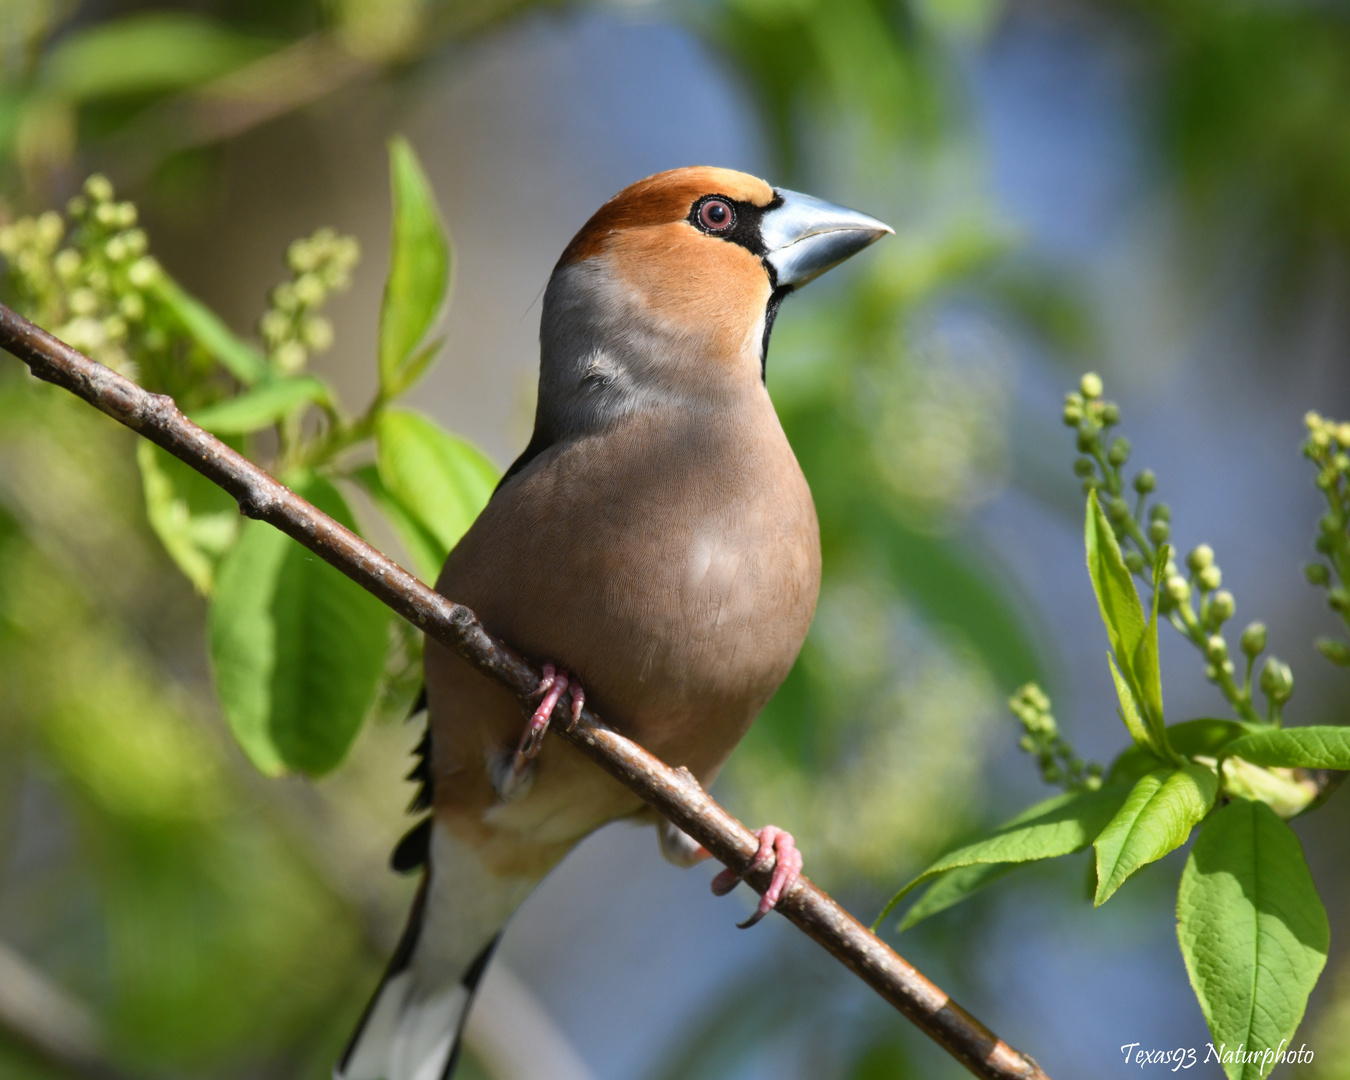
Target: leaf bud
{"type": "Point", "coordinates": [1209, 578]}
{"type": "Point", "coordinates": [99, 188]}
{"type": "Point", "coordinates": [1317, 573]}
{"type": "Point", "coordinates": [1338, 652]}
{"type": "Point", "coordinates": [1073, 409]}
{"type": "Point", "coordinates": [132, 307]}
{"type": "Point", "coordinates": [1222, 606]}
{"type": "Point", "coordinates": [317, 333]}
{"type": "Point", "coordinates": [1119, 452]}
{"type": "Point", "coordinates": [290, 357]}
{"type": "Point", "coordinates": [66, 264]}
{"type": "Point", "coordinates": [83, 302]}
{"type": "Point", "coordinates": [1216, 649]}
{"type": "Point", "coordinates": [50, 228]}
{"type": "Point", "coordinates": [1159, 531]}
{"type": "Point", "coordinates": [1277, 681]}
{"type": "Point", "coordinates": [1110, 413]}
{"type": "Point", "coordinates": [1201, 557]}
{"type": "Point", "coordinates": [1134, 562]}
{"type": "Point", "coordinates": [1254, 639]}
{"type": "Point", "coordinates": [1091, 385]}
{"type": "Point", "coordinates": [1145, 482]}
{"type": "Point", "coordinates": [1084, 466]}
{"type": "Point", "coordinates": [144, 272]}
{"type": "Point", "coordinates": [1178, 588]}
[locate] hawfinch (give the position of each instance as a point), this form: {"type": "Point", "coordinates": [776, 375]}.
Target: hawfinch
{"type": "Point", "coordinates": [655, 543]}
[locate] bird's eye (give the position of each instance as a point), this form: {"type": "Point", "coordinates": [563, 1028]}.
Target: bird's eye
{"type": "Point", "coordinates": [716, 215]}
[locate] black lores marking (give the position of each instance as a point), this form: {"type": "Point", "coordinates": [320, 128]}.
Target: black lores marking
{"type": "Point", "coordinates": [746, 230]}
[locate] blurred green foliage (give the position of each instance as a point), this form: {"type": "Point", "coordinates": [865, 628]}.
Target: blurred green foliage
{"type": "Point", "coordinates": [182, 881]}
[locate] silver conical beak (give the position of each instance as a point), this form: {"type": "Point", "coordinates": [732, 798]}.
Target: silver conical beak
{"type": "Point", "coordinates": [806, 236]}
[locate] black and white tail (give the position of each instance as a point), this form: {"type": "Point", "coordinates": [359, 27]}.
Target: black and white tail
{"type": "Point", "coordinates": [412, 1026]}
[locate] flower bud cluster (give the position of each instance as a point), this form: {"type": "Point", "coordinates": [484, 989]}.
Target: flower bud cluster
{"type": "Point", "coordinates": [292, 328]}
{"type": "Point", "coordinates": [1142, 528]}
{"type": "Point", "coordinates": [88, 287]}
{"type": "Point", "coordinates": [1328, 447]}
{"type": "Point", "coordinates": [1057, 761]}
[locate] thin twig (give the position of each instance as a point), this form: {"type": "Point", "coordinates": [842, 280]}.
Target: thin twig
{"type": "Point", "coordinates": [674, 793]}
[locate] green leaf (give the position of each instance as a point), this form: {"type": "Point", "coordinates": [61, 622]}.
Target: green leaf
{"type": "Point", "coordinates": [262, 405]}
{"type": "Point", "coordinates": [1162, 809]}
{"type": "Point", "coordinates": [195, 541]}
{"type": "Point", "coordinates": [442, 481]}
{"type": "Point", "coordinates": [297, 647]}
{"type": "Point", "coordinates": [424, 549]}
{"type": "Point", "coordinates": [1252, 930]}
{"type": "Point", "coordinates": [242, 361]}
{"type": "Point", "coordinates": [151, 53]}
{"type": "Point", "coordinates": [1204, 737]}
{"type": "Point", "coordinates": [1129, 712]}
{"type": "Point", "coordinates": [1111, 581]}
{"type": "Point", "coordinates": [1051, 828]}
{"type": "Point", "coordinates": [953, 887]}
{"type": "Point", "coordinates": [1321, 747]}
{"type": "Point", "coordinates": [1148, 671]}
{"type": "Point", "coordinates": [419, 271]}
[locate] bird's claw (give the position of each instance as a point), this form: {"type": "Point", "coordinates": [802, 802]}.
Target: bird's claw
{"type": "Point", "coordinates": [776, 847]}
{"type": "Point", "coordinates": [552, 686]}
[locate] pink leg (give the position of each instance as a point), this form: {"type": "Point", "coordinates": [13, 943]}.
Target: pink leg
{"type": "Point", "coordinates": [775, 846]}
{"type": "Point", "coordinates": [553, 685]}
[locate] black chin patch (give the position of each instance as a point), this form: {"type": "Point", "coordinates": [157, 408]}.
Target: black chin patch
{"type": "Point", "coordinates": [770, 314]}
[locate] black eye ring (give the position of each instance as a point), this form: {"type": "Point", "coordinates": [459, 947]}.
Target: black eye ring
{"type": "Point", "coordinates": [714, 214]}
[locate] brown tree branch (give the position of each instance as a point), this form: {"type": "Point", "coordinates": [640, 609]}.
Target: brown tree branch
{"type": "Point", "coordinates": [674, 793]}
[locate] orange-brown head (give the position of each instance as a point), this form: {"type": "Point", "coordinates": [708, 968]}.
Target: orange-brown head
{"type": "Point", "coordinates": [669, 292]}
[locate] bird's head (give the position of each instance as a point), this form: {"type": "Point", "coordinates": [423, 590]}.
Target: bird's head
{"type": "Point", "coordinates": [669, 291]}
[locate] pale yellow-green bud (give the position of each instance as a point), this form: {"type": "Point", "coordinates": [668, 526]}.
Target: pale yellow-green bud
{"type": "Point", "coordinates": [301, 256]}
{"type": "Point", "coordinates": [132, 307]}
{"type": "Point", "coordinates": [1091, 385]}
{"type": "Point", "coordinates": [1343, 434]}
{"type": "Point", "coordinates": [283, 297]}
{"type": "Point", "coordinates": [50, 229]}
{"type": "Point", "coordinates": [1209, 578]}
{"type": "Point", "coordinates": [1222, 606]}
{"type": "Point", "coordinates": [275, 327]}
{"type": "Point", "coordinates": [1254, 639]}
{"type": "Point", "coordinates": [144, 272]}
{"type": "Point", "coordinates": [135, 241]}
{"type": "Point", "coordinates": [309, 290]}
{"type": "Point", "coordinates": [99, 188]}
{"type": "Point", "coordinates": [66, 264]}
{"type": "Point", "coordinates": [290, 357]}
{"type": "Point", "coordinates": [317, 333]}
{"type": "Point", "coordinates": [1277, 681]}
{"type": "Point", "coordinates": [1178, 588]}
{"type": "Point", "coordinates": [1201, 557]}
{"type": "Point", "coordinates": [116, 249]}
{"type": "Point", "coordinates": [105, 213]}
{"type": "Point", "coordinates": [1216, 649]}
{"type": "Point", "coordinates": [83, 302]}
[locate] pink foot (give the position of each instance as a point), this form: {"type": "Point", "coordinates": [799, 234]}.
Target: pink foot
{"type": "Point", "coordinates": [553, 685]}
{"type": "Point", "coordinates": [775, 846]}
